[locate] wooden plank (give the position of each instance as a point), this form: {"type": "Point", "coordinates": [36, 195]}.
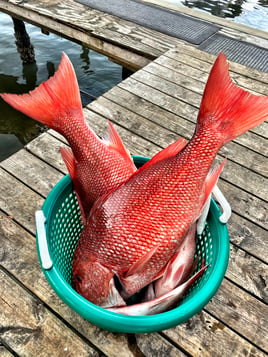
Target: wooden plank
{"type": "Point", "coordinates": [165, 67]}
{"type": "Point", "coordinates": [206, 57]}
{"type": "Point", "coordinates": [19, 257]}
{"type": "Point", "coordinates": [248, 272]}
{"type": "Point", "coordinates": [248, 236]}
{"type": "Point", "coordinates": [182, 61]}
{"type": "Point", "coordinates": [204, 336]}
{"type": "Point", "coordinates": [245, 204]}
{"type": "Point", "coordinates": [148, 107]}
{"type": "Point", "coordinates": [242, 312]}
{"type": "Point", "coordinates": [27, 168]}
{"type": "Point", "coordinates": [41, 333]}
{"type": "Point", "coordinates": [18, 201]}
{"type": "Point", "coordinates": [47, 148]}
{"type": "Point", "coordinates": [4, 352]}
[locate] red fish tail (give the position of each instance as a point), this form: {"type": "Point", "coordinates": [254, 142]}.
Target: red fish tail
{"type": "Point", "coordinates": [228, 108]}
{"type": "Point", "coordinates": [54, 100]}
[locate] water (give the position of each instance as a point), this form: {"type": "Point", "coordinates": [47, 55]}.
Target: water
{"type": "Point", "coordinates": [95, 74]}
{"type": "Point", "coordinates": [252, 13]}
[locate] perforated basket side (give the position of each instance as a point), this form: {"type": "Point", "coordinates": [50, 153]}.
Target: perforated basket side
{"type": "Point", "coordinates": [63, 226]}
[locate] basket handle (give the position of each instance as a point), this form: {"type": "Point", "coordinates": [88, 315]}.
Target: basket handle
{"type": "Point", "coordinates": [40, 219]}
{"type": "Point", "coordinates": [226, 210]}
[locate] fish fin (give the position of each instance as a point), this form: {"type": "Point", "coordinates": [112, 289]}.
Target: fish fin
{"type": "Point", "coordinates": [162, 303]}
{"type": "Point", "coordinates": [149, 293]}
{"type": "Point", "coordinates": [69, 159]}
{"type": "Point", "coordinates": [179, 267]}
{"type": "Point", "coordinates": [228, 108]}
{"type": "Point", "coordinates": [210, 183]}
{"type": "Point", "coordinates": [52, 101]}
{"type": "Point", "coordinates": [113, 141]}
{"type": "Point", "coordinates": [171, 150]}
{"type": "Point", "coordinates": [138, 266]}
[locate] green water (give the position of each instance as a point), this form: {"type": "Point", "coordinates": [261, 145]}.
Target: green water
{"type": "Point", "coordinates": [95, 74]}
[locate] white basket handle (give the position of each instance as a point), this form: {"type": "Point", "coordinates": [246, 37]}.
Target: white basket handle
{"type": "Point", "coordinates": [226, 210]}
{"type": "Point", "coordinates": [46, 261]}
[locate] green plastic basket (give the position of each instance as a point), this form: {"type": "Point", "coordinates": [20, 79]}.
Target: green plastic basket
{"type": "Point", "coordinates": [58, 230]}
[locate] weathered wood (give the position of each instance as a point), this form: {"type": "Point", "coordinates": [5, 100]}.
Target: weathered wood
{"type": "Point", "coordinates": [247, 72]}
{"type": "Point", "coordinates": [248, 272]}
{"type": "Point", "coordinates": [18, 200]}
{"type": "Point", "coordinates": [47, 148]}
{"type": "Point", "coordinates": [165, 67]}
{"type": "Point", "coordinates": [36, 173]}
{"type": "Point", "coordinates": [41, 333]}
{"type": "Point", "coordinates": [248, 236]}
{"type": "Point", "coordinates": [242, 312]}
{"type": "Point", "coordinates": [4, 352]}
{"type": "Point", "coordinates": [190, 66]}
{"type": "Point", "coordinates": [204, 336]}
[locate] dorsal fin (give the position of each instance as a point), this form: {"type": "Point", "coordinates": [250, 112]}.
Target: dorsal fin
{"type": "Point", "coordinates": [113, 141]}
{"type": "Point", "coordinates": [170, 151]}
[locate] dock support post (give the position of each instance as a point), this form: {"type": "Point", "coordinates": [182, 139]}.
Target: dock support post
{"type": "Point", "coordinates": [23, 43]}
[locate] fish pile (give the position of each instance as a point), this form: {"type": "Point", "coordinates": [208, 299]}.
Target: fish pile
{"type": "Point", "coordinates": [140, 224]}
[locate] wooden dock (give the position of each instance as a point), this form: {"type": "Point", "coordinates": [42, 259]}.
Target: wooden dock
{"type": "Point", "coordinates": [150, 109]}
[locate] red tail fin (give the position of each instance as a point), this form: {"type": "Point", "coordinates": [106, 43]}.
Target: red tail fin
{"type": "Point", "coordinates": [53, 100]}
{"type": "Point", "coordinates": [230, 109]}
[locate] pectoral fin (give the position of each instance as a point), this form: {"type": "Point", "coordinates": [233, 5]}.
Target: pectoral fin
{"type": "Point", "coordinates": [160, 304]}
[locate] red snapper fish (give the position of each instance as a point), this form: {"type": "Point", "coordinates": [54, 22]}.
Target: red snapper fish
{"type": "Point", "coordinates": [134, 231]}
{"type": "Point", "coordinates": [96, 166]}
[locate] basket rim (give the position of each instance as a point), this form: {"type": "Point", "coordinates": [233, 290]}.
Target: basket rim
{"type": "Point", "coordinates": [138, 324]}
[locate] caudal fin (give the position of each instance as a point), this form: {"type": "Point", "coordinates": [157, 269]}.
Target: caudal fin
{"type": "Point", "coordinates": [54, 100]}
{"type": "Point", "coordinates": [228, 108]}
